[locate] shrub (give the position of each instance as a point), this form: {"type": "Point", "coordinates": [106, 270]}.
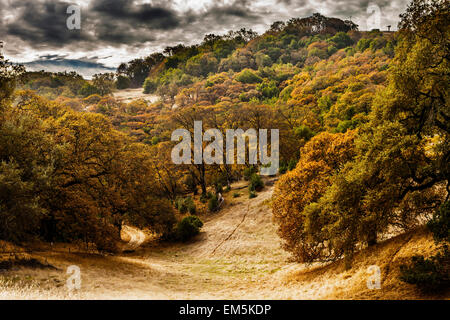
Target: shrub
{"type": "Point", "coordinates": [341, 40]}
{"type": "Point", "coordinates": [292, 164]}
{"type": "Point", "coordinates": [205, 197]}
{"type": "Point", "coordinates": [149, 86]}
{"type": "Point", "coordinates": [256, 183]}
{"type": "Point", "coordinates": [218, 187]}
{"type": "Point", "coordinates": [432, 275]}
{"type": "Point", "coordinates": [88, 90]}
{"type": "Point", "coordinates": [252, 195]}
{"type": "Point", "coordinates": [185, 205]}
{"type": "Point", "coordinates": [248, 172]}
{"type": "Point", "coordinates": [331, 50]}
{"type": "Point", "coordinates": [440, 224]}
{"type": "Point", "coordinates": [155, 140]}
{"type": "Point", "coordinates": [188, 228]}
{"type": "Point", "coordinates": [236, 195]}
{"type": "Point", "coordinates": [123, 82]}
{"type": "Point", "coordinates": [213, 203]}
{"type": "Point", "coordinates": [304, 132]}
{"type": "Point", "coordinates": [429, 275]}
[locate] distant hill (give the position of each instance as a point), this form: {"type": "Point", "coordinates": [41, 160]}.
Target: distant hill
{"type": "Point", "coordinates": [85, 68]}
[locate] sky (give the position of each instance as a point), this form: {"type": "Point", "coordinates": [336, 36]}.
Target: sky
{"type": "Point", "coordinates": [115, 31]}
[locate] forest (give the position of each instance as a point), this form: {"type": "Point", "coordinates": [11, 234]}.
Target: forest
{"type": "Point", "coordinates": [363, 118]}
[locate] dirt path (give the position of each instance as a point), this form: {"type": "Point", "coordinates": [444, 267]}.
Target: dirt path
{"type": "Point", "coordinates": [129, 95]}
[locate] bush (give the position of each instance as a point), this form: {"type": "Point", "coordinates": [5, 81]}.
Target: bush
{"type": "Point", "coordinates": [252, 195]}
{"type": "Point", "coordinates": [256, 183]}
{"type": "Point", "coordinates": [218, 187]}
{"type": "Point", "coordinates": [248, 172]}
{"type": "Point", "coordinates": [185, 205]}
{"type": "Point", "coordinates": [429, 275]}
{"type": "Point", "coordinates": [149, 86]}
{"type": "Point", "coordinates": [213, 203]}
{"type": "Point", "coordinates": [341, 40]}
{"type": "Point", "coordinates": [304, 132]}
{"type": "Point", "coordinates": [236, 195]}
{"type": "Point", "coordinates": [282, 169]}
{"type": "Point", "coordinates": [205, 197]}
{"type": "Point", "coordinates": [292, 164]}
{"type": "Point", "coordinates": [155, 140]}
{"type": "Point", "coordinates": [88, 90]}
{"type": "Point", "coordinates": [188, 228]}
{"type": "Point", "coordinates": [123, 82]}
{"type": "Point", "coordinates": [432, 275]}
{"type": "Point", "coordinates": [440, 224]}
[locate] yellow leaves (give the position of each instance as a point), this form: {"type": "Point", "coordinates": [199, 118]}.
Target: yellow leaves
{"type": "Point", "coordinates": [321, 158]}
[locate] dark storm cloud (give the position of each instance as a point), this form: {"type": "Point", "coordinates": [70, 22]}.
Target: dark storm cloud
{"type": "Point", "coordinates": [135, 14]}
{"type": "Point", "coordinates": [41, 24]}
{"type": "Point", "coordinates": [224, 14]}
{"type": "Point", "coordinates": [111, 22]}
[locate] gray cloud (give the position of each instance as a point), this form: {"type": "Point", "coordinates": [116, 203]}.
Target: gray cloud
{"type": "Point", "coordinates": [40, 25]}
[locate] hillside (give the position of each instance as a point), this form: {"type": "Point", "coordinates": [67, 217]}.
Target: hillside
{"type": "Point", "coordinates": [99, 173]}
{"type": "Point", "coordinates": [236, 256]}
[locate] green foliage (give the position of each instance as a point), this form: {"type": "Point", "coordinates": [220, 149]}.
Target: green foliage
{"type": "Point", "coordinates": [213, 203]}
{"type": "Point", "coordinates": [104, 83]}
{"type": "Point", "coordinates": [248, 76]}
{"type": "Point", "coordinates": [429, 275]}
{"type": "Point", "coordinates": [341, 40]}
{"type": "Point", "coordinates": [123, 82]}
{"type": "Point", "coordinates": [432, 275]}
{"type": "Point", "coordinates": [363, 44]}
{"type": "Point", "coordinates": [283, 168]}
{"type": "Point", "coordinates": [88, 90]}
{"type": "Point", "coordinates": [345, 125]}
{"type": "Point", "coordinates": [52, 85]}
{"type": "Point", "coordinates": [252, 194]}
{"type": "Point", "coordinates": [439, 225]}
{"type": "Point", "coordinates": [268, 89]}
{"type": "Point", "coordinates": [236, 195]}
{"type": "Point", "coordinates": [137, 70]}
{"type": "Point", "coordinates": [185, 205]}
{"type": "Point", "coordinates": [188, 228]}
{"type": "Point", "coordinates": [263, 60]}
{"type": "Point", "coordinates": [205, 197]}
{"type": "Point", "coordinates": [292, 164]}
{"type": "Point", "coordinates": [285, 94]}
{"type": "Point", "coordinates": [331, 50]}
{"type": "Point", "coordinates": [304, 132]}
{"type": "Point", "coordinates": [248, 172]}
{"type": "Point", "coordinates": [256, 183]}
{"type": "Point", "coordinates": [149, 86]}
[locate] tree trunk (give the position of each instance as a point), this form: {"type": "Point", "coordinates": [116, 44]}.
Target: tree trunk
{"type": "Point", "coordinates": [372, 238]}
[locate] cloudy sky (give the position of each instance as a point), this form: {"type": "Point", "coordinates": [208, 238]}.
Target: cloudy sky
{"type": "Point", "coordinates": [113, 31]}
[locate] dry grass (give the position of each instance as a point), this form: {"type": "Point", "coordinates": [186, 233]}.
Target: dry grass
{"type": "Point", "coordinates": [236, 256]}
